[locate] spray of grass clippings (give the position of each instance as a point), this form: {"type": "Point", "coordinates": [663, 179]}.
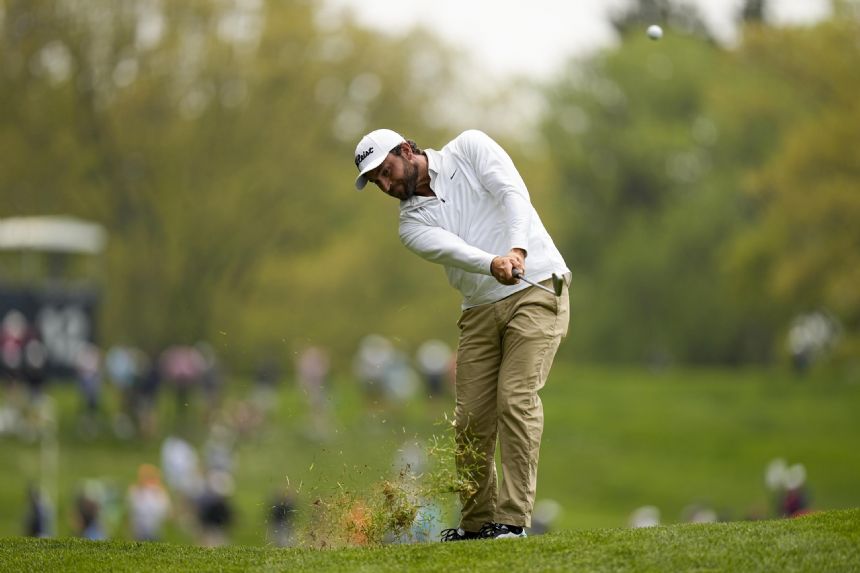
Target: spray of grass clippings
{"type": "Point", "coordinates": [444, 452]}
{"type": "Point", "coordinates": [390, 509]}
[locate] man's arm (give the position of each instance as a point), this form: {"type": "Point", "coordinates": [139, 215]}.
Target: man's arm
{"type": "Point", "coordinates": [500, 177]}
{"type": "Point", "coordinates": [440, 246]}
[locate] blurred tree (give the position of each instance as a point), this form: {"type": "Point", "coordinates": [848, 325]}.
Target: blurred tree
{"type": "Point", "coordinates": [648, 206]}
{"type": "Point", "coordinates": [655, 148]}
{"type": "Point", "coordinates": [801, 252]}
{"type": "Point", "coordinates": [212, 140]}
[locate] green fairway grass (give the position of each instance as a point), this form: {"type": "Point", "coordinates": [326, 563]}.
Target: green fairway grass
{"type": "Point", "coordinates": [816, 543]}
{"type": "Point", "coordinates": [615, 439]}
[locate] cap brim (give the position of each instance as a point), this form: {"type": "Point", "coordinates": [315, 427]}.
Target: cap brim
{"type": "Point", "coordinates": [361, 180]}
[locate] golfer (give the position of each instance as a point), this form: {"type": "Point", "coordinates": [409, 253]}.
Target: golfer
{"type": "Point", "coordinates": [467, 208]}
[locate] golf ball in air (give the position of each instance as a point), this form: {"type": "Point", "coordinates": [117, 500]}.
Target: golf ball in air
{"type": "Point", "coordinates": [655, 32]}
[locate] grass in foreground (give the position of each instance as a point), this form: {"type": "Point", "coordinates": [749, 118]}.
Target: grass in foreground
{"type": "Point", "coordinates": [827, 541]}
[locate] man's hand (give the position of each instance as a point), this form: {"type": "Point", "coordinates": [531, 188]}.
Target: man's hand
{"type": "Point", "coordinates": [502, 268]}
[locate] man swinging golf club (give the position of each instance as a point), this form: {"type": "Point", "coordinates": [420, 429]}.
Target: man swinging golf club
{"type": "Point", "coordinates": [467, 208]}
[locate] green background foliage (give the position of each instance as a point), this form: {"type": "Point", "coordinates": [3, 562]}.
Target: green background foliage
{"type": "Point", "coordinates": [704, 196]}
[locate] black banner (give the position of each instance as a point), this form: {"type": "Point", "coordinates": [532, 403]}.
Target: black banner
{"type": "Point", "coordinates": [63, 319]}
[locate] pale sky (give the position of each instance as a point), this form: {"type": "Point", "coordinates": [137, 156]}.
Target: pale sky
{"type": "Point", "coordinates": [534, 37]}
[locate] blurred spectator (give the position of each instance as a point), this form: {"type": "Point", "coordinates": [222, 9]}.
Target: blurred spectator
{"type": "Point", "coordinates": [218, 448]}
{"type": "Point", "coordinates": [312, 370]}
{"type": "Point", "coordinates": [89, 384]}
{"type": "Point", "coordinates": [411, 458]}
{"type": "Point", "coordinates": [14, 332]}
{"type": "Point", "coordinates": [699, 513]}
{"type": "Point", "coordinates": [35, 366]}
{"type": "Point", "coordinates": [400, 381]}
{"type": "Point", "coordinates": [266, 379]}
{"type": "Point", "coordinates": [427, 524]}
{"type": "Point", "coordinates": [795, 502]}
{"type": "Point", "coordinates": [148, 503]}
{"type": "Point", "coordinates": [214, 510]}
{"type": "Point", "coordinates": [412, 461]}
{"type": "Point", "coordinates": [23, 361]}
{"type": "Point", "coordinates": [545, 513]}
{"type": "Point", "coordinates": [645, 516]}
{"type": "Point", "coordinates": [211, 379]}
{"type": "Point", "coordinates": [121, 368]}
{"type": "Point", "coordinates": [809, 337]}
{"type": "Point", "coordinates": [788, 485]}
{"type": "Point", "coordinates": [38, 520]}
{"type": "Point", "coordinates": [434, 363]}
{"type": "Point", "coordinates": [147, 384]}
{"type": "Point", "coordinates": [371, 362]}
{"type": "Point", "coordinates": [9, 417]}
{"type": "Point", "coordinates": [180, 464]}
{"type": "Point", "coordinates": [282, 511]}
{"type": "Point", "coordinates": [356, 523]}
{"type": "Point", "coordinates": [87, 517]}
{"type": "Point", "coordinates": [182, 368]}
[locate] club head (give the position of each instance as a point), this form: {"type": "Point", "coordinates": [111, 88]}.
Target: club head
{"type": "Point", "coordinates": [557, 284]}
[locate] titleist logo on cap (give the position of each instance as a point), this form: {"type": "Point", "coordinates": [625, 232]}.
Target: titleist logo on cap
{"type": "Point", "coordinates": [372, 150]}
{"type": "Point", "coordinates": [362, 156]}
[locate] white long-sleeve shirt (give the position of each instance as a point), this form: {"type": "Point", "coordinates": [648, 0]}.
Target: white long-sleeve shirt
{"type": "Point", "coordinates": [481, 210]}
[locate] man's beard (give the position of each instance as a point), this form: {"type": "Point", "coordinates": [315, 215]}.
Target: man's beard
{"type": "Point", "coordinates": [410, 180]}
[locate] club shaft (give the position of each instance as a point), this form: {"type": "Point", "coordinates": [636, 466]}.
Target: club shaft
{"type": "Point", "coordinates": [521, 277]}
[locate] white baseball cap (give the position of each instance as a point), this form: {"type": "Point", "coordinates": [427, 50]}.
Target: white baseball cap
{"type": "Point", "coordinates": [372, 151]}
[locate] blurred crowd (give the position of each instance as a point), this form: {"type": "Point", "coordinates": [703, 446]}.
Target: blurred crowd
{"type": "Point", "coordinates": [120, 387]}
{"type": "Point", "coordinates": [386, 373]}
{"type": "Point", "coordinates": [189, 492]}
{"type": "Point", "coordinates": [177, 398]}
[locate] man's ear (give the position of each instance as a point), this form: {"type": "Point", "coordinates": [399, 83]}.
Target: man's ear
{"type": "Point", "coordinates": [406, 150]}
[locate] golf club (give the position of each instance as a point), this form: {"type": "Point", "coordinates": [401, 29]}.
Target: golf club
{"type": "Point", "coordinates": [557, 282]}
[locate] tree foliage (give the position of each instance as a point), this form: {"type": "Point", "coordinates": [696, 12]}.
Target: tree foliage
{"type": "Point", "coordinates": [703, 195]}
{"type": "Point", "coordinates": [802, 251]}
{"type": "Point", "coordinates": [211, 140]}
{"type": "Point", "coordinates": [709, 191]}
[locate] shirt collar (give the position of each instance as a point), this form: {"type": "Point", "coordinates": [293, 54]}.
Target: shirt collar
{"type": "Point", "coordinates": [434, 166]}
{"type": "Point", "coordinates": [434, 161]}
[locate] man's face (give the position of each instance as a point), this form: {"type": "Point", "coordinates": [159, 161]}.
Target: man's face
{"type": "Point", "coordinates": [396, 176]}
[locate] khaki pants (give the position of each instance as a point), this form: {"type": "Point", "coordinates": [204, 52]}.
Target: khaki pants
{"type": "Point", "coordinates": [503, 359]}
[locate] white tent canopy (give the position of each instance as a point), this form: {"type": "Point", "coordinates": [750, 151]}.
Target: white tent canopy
{"type": "Point", "coordinates": [52, 234]}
